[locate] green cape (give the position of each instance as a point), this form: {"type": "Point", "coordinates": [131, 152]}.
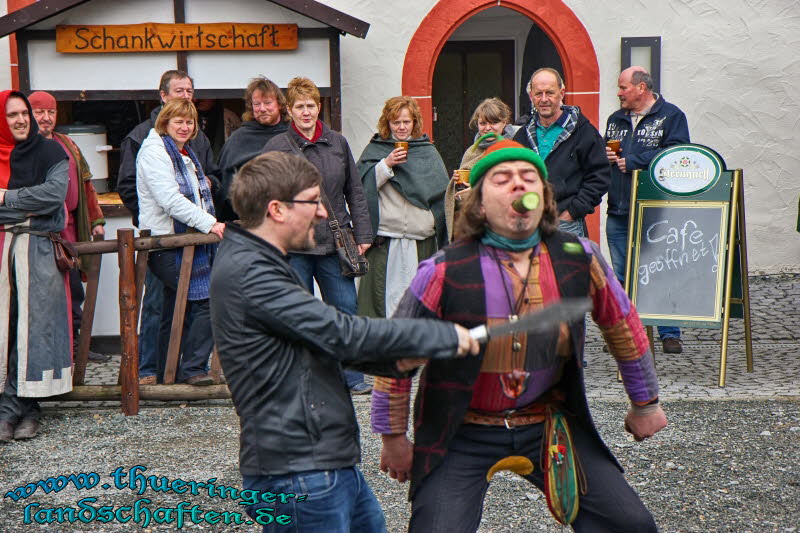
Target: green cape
{"type": "Point", "coordinates": [422, 179]}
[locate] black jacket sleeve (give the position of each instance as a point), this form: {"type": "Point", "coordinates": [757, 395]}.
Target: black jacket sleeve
{"type": "Point", "coordinates": [596, 174]}
{"type": "Point", "coordinates": [126, 179]}
{"type": "Point", "coordinates": [282, 309]}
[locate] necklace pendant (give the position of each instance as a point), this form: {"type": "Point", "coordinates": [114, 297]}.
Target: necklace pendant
{"type": "Point", "coordinates": [516, 345]}
{"type": "Point", "coordinates": [513, 318]}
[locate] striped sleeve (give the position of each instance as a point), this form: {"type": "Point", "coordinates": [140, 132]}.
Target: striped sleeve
{"type": "Point", "coordinates": [622, 330]}
{"type": "Point", "coordinates": [391, 397]}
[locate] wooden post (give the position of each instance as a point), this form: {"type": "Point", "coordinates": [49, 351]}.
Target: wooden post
{"type": "Point", "coordinates": [216, 369]}
{"type": "Point", "coordinates": [175, 334]}
{"type": "Point", "coordinates": [87, 318]}
{"type": "Point", "coordinates": [129, 366]}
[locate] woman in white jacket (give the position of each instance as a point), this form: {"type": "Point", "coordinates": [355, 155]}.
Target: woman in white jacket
{"type": "Point", "coordinates": [175, 195]}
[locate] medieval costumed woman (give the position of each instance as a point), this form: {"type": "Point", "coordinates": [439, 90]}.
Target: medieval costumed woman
{"type": "Point", "coordinates": [404, 179]}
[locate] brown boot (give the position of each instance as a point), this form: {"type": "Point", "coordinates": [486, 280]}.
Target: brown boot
{"type": "Point", "coordinates": [6, 431]}
{"type": "Point", "coordinates": [672, 345]}
{"type": "Point", "coordinates": [200, 380]}
{"type": "Point", "coordinates": [27, 429]}
{"type": "Point", "coordinates": [148, 380]}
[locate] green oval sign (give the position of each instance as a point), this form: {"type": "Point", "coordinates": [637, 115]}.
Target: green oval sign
{"type": "Point", "coordinates": [686, 169]}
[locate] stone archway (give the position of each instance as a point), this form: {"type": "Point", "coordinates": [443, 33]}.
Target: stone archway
{"type": "Point", "coordinates": [556, 19]}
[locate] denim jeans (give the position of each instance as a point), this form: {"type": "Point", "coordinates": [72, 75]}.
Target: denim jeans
{"type": "Point", "coordinates": [617, 236]}
{"type": "Point", "coordinates": [152, 302]}
{"type": "Point", "coordinates": [336, 501]}
{"type": "Point", "coordinates": [451, 497]}
{"type": "Point", "coordinates": [336, 289]}
{"type": "Point", "coordinates": [573, 226]}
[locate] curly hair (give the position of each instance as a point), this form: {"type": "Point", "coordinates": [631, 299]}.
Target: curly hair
{"type": "Point", "coordinates": [471, 221]}
{"type": "Point", "coordinates": [300, 88]}
{"type": "Point", "coordinates": [177, 107]}
{"type": "Point", "coordinates": [392, 109]}
{"type": "Point", "coordinates": [267, 88]}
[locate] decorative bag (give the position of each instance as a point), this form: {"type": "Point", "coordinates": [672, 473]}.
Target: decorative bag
{"type": "Point", "coordinates": [563, 476]}
{"type": "Point", "coordinates": [354, 264]}
{"type": "Point", "coordinates": [64, 252]}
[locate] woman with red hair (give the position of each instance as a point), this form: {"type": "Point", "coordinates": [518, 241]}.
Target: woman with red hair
{"type": "Point", "coordinates": [405, 185]}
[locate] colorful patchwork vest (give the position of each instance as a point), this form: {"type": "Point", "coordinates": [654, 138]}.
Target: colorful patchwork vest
{"type": "Point", "coordinates": [445, 387]}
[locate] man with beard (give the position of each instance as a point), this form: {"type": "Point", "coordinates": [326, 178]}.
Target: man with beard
{"type": "Point", "coordinates": [265, 116]}
{"type": "Point", "coordinates": [35, 348]}
{"type": "Point", "coordinates": [84, 217]}
{"type": "Point", "coordinates": [282, 352]}
{"type": "Point", "coordinates": [173, 84]}
{"type": "Point", "coordinates": [492, 412]}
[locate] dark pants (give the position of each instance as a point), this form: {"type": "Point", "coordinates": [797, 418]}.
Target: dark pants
{"type": "Point", "coordinates": [152, 304]}
{"type": "Point", "coordinates": [451, 497]}
{"type": "Point", "coordinates": [336, 289]}
{"type": "Point", "coordinates": [617, 237]}
{"type": "Point", "coordinates": [77, 295]}
{"type": "Point", "coordinates": [196, 341]}
{"type": "Point", "coordinates": [14, 409]}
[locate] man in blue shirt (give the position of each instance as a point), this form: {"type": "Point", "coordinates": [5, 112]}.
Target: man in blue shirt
{"type": "Point", "coordinates": [572, 149]}
{"type": "Point", "coordinates": [645, 124]}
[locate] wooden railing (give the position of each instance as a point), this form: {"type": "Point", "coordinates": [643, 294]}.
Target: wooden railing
{"type": "Point", "coordinates": [132, 254]}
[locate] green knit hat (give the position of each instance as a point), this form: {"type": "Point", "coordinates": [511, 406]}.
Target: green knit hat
{"type": "Point", "coordinates": [504, 150]}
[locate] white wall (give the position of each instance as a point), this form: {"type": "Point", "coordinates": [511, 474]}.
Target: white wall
{"type": "Point", "coordinates": [731, 65]}
{"type": "Point", "coordinates": [5, 57]}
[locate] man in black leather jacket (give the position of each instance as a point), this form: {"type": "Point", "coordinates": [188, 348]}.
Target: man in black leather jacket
{"type": "Point", "coordinates": [282, 351]}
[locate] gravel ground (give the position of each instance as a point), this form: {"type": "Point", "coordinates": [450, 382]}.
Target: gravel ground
{"type": "Point", "coordinates": [730, 466]}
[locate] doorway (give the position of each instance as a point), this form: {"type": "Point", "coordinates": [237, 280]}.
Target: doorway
{"type": "Point", "coordinates": [466, 73]}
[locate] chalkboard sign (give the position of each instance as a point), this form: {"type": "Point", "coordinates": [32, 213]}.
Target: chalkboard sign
{"type": "Point", "coordinates": [679, 255]}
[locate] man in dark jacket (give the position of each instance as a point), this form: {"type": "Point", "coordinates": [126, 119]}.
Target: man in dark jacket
{"type": "Point", "coordinates": [571, 148]}
{"type": "Point", "coordinates": [282, 352]}
{"type": "Point", "coordinates": [645, 124]}
{"type": "Point", "coordinates": [265, 116]}
{"type": "Point", "coordinates": [173, 84]}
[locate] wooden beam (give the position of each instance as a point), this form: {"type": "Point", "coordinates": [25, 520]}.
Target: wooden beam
{"type": "Point", "coordinates": [178, 316]}
{"type": "Point", "coordinates": [44, 9]}
{"type": "Point", "coordinates": [34, 13]}
{"type": "Point", "coordinates": [327, 15]}
{"type": "Point", "coordinates": [336, 82]}
{"type": "Point", "coordinates": [23, 64]}
{"type": "Point", "coordinates": [88, 393]}
{"type": "Point", "coordinates": [87, 319]}
{"type": "Point", "coordinates": [129, 364]}
{"type": "Point", "coordinates": [146, 94]}
{"type": "Point", "coordinates": [180, 18]}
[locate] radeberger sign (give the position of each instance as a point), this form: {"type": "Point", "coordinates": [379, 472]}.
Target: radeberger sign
{"type": "Point", "coordinates": [155, 37]}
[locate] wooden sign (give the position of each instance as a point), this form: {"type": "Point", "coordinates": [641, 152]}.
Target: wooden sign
{"type": "Point", "coordinates": [155, 37]}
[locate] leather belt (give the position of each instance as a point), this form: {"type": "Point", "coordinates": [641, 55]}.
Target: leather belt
{"type": "Point", "coordinates": [509, 419]}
